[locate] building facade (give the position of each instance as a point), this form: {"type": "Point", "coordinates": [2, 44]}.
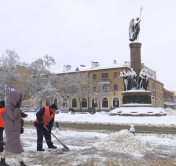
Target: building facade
{"type": "Point", "coordinates": [101, 88]}
{"type": "Point", "coordinates": [168, 99]}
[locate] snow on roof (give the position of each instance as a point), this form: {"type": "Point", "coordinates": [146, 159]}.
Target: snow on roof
{"type": "Point", "coordinates": [111, 66]}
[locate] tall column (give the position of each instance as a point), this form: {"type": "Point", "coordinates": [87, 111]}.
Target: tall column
{"type": "Point", "coordinates": [5, 94]}
{"type": "Point", "coordinates": [135, 55]}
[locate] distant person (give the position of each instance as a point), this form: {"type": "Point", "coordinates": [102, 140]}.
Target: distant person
{"type": "Point", "coordinates": [132, 129]}
{"type": "Point", "coordinates": [12, 126]}
{"type": "Point", "coordinates": [2, 107]}
{"type": "Point", "coordinates": [45, 117]}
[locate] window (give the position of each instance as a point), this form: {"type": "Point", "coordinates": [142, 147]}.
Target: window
{"type": "Point", "coordinates": [74, 78]}
{"type": "Point", "coordinates": [94, 88]}
{"type": "Point", "coordinates": [84, 77]}
{"type": "Point", "coordinates": [55, 80]}
{"type": "Point", "coordinates": [115, 88]}
{"type": "Point", "coordinates": [115, 74]}
{"type": "Point", "coordinates": [74, 88]}
{"type": "Point", "coordinates": [105, 102]}
{"type": "Point", "coordinates": [65, 79]}
{"type": "Point", "coordinates": [84, 89]}
{"type": "Point", "coordinates": [74, 103]}
{"type": "Point", "coordinates": [94, 76]}
{"type": "Point", "coordinates": [84, 102]}
{"type": "Point", "coordinates": [65, 90]}
{"type": "Point", "coordinates": [105, 88]}
{"type": "Point", "coordinates": [47, 102]}
{"type": "Point", "coordinates": [55, 101]}
{"type": "Point", "coordinates": [40, 103]}
{"type": "Point", "coordinates": [104, 75]}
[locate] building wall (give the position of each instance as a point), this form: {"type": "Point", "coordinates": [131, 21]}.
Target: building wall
{"type": "Point", "coordinates": [168, 98]}
{"type": "Point", "coordinates": [154, 86]}
{"type": "Point", "coordinates": [157, 89]}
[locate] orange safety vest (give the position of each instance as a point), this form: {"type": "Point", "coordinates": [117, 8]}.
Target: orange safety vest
{"type": "Point", "coordinates": [1, 117]}
{"type": "Point", "coordinates": [46, 116]}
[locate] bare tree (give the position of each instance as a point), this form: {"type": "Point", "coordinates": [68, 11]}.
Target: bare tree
{"type": "Point", "coordinates": [36, 74]}
{"type": "Point", "coordinates": [80, 86]}
{"type": "Point", "coordinates": [8, 71]}
{"type": "Point", "coordinates": [100, 90]}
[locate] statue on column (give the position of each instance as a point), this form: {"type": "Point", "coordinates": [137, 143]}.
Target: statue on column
{"type": "Point", "coordinates": [134, 28]}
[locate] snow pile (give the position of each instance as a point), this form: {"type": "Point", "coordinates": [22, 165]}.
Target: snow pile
{"type": "Point", "coordinates": [170, 111]}
{"type": "Point", "coordinates": [123, 142]}
{"type": "Point", "coordinates": [138, 110]}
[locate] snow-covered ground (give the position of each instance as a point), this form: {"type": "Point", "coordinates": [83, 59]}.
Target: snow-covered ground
{"type": "Point", "coordinates": [86, 149]}
{"type": "Point", "coordinates": [104, 118]}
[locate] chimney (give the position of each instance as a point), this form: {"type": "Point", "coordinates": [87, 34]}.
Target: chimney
{"type": "Point", "coordinates": [66, 68]}
{"type": "Point", "coordinates": [94, 65]}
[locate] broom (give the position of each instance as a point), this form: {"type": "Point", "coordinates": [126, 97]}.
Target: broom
{"type": "Point", "coordinates": [65, 147]}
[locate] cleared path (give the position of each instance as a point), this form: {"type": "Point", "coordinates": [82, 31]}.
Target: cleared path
{"type": "Point", "coordinates": [139, 129]}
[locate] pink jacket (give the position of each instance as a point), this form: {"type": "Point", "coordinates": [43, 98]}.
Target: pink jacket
{"type": "Point", "coordinates": [12, 124]}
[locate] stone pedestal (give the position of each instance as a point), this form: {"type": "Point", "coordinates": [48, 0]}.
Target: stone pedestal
{"type": "Point", "coordinates": [136, 98]}
{"type": "Point", "coordinates": [135, 55]}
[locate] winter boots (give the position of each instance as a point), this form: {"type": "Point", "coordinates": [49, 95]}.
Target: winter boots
{"type": "Point", "coordinates": [3, 163]}
{"type": "Point", "coordinates": [40, 149]}
{"type": "Point", "coordinates": [1, 147]}
{"type": "Point", "coordinates": [22, 163]}
{"type": "Point", "coordinates": [52, 147]}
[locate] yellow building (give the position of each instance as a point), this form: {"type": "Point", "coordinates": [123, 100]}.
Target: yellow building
{"type": "Point", "coordinates": [99, 87]}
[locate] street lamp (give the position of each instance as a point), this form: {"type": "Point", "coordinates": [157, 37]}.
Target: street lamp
{"type": "Point", "coordinates": [5, 94]}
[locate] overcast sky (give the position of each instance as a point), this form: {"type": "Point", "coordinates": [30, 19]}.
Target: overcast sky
{"type": "Point", "coordinates": [76, 32]}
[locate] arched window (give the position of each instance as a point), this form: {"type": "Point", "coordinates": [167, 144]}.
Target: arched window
{"type": "Point", "coordinates": [47, 102]}
{"type": "Point", "coordinates": [105, 102]}
{"type": "Point", "coordinates": [40, 103]}
{"type": "Point", "coordinates": [115, 102]}
{"type": "Point", "coordinates": [74, 103]}
{"type": "Point", "coordinates": [94, 102]}
{"type": "Point", "coordinates": [84, 102]}
{"type": "Point", "coordinates": [55, 101]}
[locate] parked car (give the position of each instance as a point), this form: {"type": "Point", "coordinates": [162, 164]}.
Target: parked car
{"type": "Point", "coordinates": [92, 110]}
{"type": "Point", "coordinates": [28, 108]}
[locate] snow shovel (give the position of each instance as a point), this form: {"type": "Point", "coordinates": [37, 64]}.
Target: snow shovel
{"type": "Point", "coordinates": [65, 147]}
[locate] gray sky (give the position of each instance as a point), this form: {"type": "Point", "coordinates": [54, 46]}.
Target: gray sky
{"type": "Point", "coordinates": [77, 32]}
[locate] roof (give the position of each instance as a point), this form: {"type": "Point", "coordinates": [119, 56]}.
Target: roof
{"type": "Point", "coordinates": [112, 66]}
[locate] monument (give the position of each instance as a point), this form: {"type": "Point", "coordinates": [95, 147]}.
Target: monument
{"type": "Point", "coordinates": [136, 80]}
{"type": "Point", "coordinates": [136, 99]}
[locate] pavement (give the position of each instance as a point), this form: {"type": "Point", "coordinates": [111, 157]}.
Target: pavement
{"type": "Point", "coordinates": [110, 127]}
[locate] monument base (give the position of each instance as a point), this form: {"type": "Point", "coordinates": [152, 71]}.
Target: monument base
{"type": "Point", "coordinates": [137, 103]}
{"type": "Point", "coordinates": [137, 97]}
{"type": "Point", "coordinates": [138, 111]}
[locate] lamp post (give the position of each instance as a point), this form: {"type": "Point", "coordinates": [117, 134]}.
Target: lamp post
{"type": "Point", "coordinates": [5, 94]}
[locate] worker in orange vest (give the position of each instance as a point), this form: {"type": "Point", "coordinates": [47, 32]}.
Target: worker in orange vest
{"type": "Point", "coordinates": [2, 107]}
{"type": "Point", "coordinates": [45, 117]}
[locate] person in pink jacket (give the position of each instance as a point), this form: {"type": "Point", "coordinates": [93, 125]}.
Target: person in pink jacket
{"type": "Point", "coordinates": [12, 126]}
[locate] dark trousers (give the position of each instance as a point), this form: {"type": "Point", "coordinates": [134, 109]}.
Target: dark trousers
{"type": "Point", "coordinates": [41, 131]}
{"type": "Point", "coordinates": [1, 139]}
